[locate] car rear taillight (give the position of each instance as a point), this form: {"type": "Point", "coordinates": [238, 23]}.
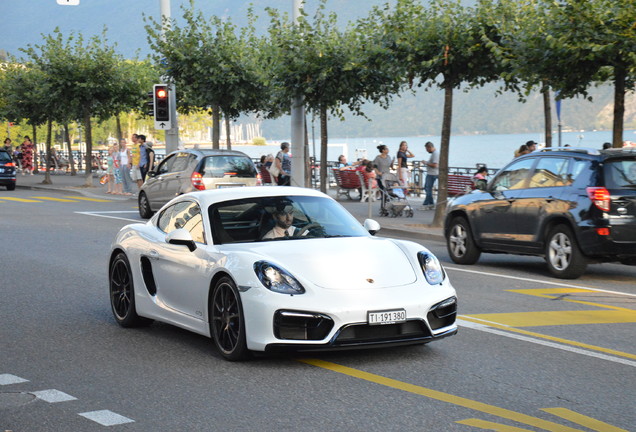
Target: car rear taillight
{"type": "Point", "coordinates": [9, 164]}
{"type": "Point", "coordinates": [600, 196]}
{"type": "Point", "coordinates": [259, 180]}
{"type": "Point", "coordinates": [197, 181]}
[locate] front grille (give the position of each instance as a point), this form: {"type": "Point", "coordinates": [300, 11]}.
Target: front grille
{"type": "Point", "coordinates": [299, 325]}
{"type": "Point", "coordinates": [364, 333]}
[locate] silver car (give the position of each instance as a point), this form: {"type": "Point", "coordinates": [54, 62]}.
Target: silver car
{"type": "Point", "coordinates": [189, 170]}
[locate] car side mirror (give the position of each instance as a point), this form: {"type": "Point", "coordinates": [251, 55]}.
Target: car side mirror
{"type": "Point", "coordinates": [372, 226]}
{"type": "Point", "coordinates": [181, 237]}
{"type": "Point", "coordinates": [151, 174]}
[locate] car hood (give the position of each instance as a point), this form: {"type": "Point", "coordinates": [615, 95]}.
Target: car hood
{"type": "Point", "coordinates": [341, 263]}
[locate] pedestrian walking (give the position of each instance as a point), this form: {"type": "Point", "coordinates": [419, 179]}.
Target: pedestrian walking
{"type": "Point", "coordinates": [402, 164]}
{"type": "Point", "coordinates": [125, 164]}
{"type": "Point", "coordinates": [151, 157]}
{"type": "Point", "coordinates": [27, 156]}
{"type": "Point", "coordinates": [143, 158]}
{"type": "Point", "coordinates": [432, 173]}
{"type": "Point", "coordinates": [283, 163]}
{"type": "Point", "coordinates": [383, 163]}
{"type": "Point", "coordinates": [135, 161]}
{"type": "Point", "coordinates": [110, 170]}
{"type": "Point", "coordinates": [17, 157]}
{"type": "Point", "coordinates": [7, 145]}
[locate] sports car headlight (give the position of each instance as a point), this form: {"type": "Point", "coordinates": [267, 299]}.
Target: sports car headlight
{"type": "Point", "coordinates": [276, 279]}
{"type": "Point", "coordinates": [431, 267]}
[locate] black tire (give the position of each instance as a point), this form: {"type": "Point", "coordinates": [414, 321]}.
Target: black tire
{"type": "Point", "coordinates": [122, 294]}
{"type": "Point", "coordinates": [227, 324]}
{"type": "Point", "coordinates": [460, 243]}
{"type": "Point", "coordinates": [563, 255]}
{"type": "Point", "coordinates": [144, 206]}
{"type": "Point", "coordinates": [10, 187]}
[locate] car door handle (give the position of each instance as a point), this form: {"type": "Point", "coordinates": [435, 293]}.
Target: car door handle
{"type": "Point", "coordinates": [549, 199]}
{"type": "Point", "coordinates": [153, 254]}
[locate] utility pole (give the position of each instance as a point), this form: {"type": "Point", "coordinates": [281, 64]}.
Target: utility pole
{"type": "Point", "coordinates": [172, 134]}
{"type": "Point", "coordinates": [298, 123]}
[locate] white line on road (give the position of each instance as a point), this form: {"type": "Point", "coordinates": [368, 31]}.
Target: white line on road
{"type": "Point", "coordinates": [485, 328]}
{"type": "Point", "coordinates": [560, 284]}
{"type": "Point", "coordinates": [106, 417]}
{"type": "Point", "coordinates": [102, 214]}
{"type": "Point", "coordinates": [6, 379]}
{"type": "Point", "coordinates": [53, 396]}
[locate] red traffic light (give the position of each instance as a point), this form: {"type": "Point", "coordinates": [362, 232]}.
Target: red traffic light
{"type": "Point", "coordinates": [162, 93]}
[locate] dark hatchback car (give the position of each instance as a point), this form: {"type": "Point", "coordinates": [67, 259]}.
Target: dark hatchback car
{"type": "Point", "coordinates": [571, 206]}
{"type": "Point", "coordinates": [7, 170]}
{"type": "Point", "coordinates": [190, 170]}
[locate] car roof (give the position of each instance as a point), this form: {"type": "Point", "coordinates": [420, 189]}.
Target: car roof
{"type": "Point", "coordinates": [211, 152]}
{"type": "Point", "coordinates": [212, 196]}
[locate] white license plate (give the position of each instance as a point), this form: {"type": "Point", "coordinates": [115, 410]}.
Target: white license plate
{"type": "Point", "coordinates": [386, 317]}
{"type": "Point", "coordinates": [228, 186]}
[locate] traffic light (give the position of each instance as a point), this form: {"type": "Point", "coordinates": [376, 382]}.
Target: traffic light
{"type": "Point", "coordinates": [150, 104]}
{"type": "Point", "coordinates": [161, 103]}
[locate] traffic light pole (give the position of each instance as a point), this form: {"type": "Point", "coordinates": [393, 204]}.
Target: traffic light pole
{"type": "Point", "coordinates": [172, 134]}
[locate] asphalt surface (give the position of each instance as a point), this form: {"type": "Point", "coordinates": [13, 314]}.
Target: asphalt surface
{"type": "Point", "coordinates": [419, 224]}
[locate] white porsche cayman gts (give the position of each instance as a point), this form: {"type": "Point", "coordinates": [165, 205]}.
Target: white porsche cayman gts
{"type": "Point", "coordinates": [272, 269]}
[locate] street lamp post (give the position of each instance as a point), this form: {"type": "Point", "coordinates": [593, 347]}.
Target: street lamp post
{"type": "Point", "coordinates": [298, 123]}
{"type": "Point", "coordinates": [172, 134]}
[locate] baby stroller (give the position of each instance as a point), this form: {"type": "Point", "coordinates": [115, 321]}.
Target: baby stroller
{"type": "Point", "coordinates": [393, 202]}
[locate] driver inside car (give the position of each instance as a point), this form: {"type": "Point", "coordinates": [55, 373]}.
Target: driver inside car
{"type": "Point", "coordinates": [283, 216]}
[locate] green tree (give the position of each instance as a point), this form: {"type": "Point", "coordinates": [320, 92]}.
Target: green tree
{"type": "Point", "coordinates": [85, 80]}
{"type": "Point", "coordinates": [439, 46]}
{"type": "Point", "coordinates": [591, 42]}
{"type": "Point", "coordinates": [327, 67]}
{"type": "Point", "coordinates": [211, 64]}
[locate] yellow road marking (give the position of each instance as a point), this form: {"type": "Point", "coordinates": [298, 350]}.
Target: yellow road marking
{"type": "Point", "coordinates": [54, 199]}
{"type": "Point", "coordinates": [20, 200]}
{"type": "Point", "coordinates": [88, 199]}
{"type": "Point", "coordinates": [554, 318]}
{"type": "Point", "coordinates": [491, 426]}
{"type": "Point", "coordinates": [553, 293]}
{"type": "Point", "coordinates": [441, 396]}
{"type": "Point", "coordinates": [586, 421]}
{"type": "Point", "coordinates": [551, 338]}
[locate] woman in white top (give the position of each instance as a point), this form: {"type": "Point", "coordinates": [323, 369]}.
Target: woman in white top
{"type": "Point", "coordinates": [125, 165]}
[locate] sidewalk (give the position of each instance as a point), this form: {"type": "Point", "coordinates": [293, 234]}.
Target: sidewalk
{"type": "Point", "coordinates": [418, 225]}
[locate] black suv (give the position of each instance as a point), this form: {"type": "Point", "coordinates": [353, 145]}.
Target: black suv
{"type": "Point", "coordinates": [569, 205]}
{"type": "Point", "coordinates": [7, 170]}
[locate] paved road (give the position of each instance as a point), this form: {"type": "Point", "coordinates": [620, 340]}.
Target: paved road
{"type": "Point", "coordinates": [66, 365]}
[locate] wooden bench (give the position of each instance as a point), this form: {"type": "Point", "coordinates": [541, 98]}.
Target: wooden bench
{"type": "Point", "coordinates": [459, 184]}
{"type": "Point", "coordinates": [346, 181]}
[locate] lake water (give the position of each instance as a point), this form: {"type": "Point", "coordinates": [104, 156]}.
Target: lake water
{"type": "Point", "coordinates": [465, 150]}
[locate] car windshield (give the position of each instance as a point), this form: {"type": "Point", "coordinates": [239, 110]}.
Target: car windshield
{"type": "Point", "coordinates": [232, 166]}
{"type": "Point", "coordinates": [620, 173]}
{"type": "Point", "coordinates": [4, 157]}
{"type": "Point", "coordinates": [281, 218]}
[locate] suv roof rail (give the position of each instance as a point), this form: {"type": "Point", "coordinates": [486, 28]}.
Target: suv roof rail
{"type": "Point", "coordinates": [586, 150]}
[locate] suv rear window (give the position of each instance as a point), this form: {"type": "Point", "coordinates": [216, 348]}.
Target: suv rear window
{"type": "Point", "coordinates": [620, 173]}
{"type": "Point", "coordinates": [232, 166]}
{"type": "Point", "coordinates": [5, 157]}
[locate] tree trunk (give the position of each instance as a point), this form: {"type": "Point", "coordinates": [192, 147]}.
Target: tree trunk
{"type": "Point", "coordinates": [323, 149]}
{"type": "Point", "coordinates": [48, 159]}
{"type": "Point", "coordinates": [35, 149]}
{"type": "Point", "coordinates": [71, 160]}
{"type": "Point", "coordinates": [216, 127]}
{"type": "Point", "coordinates": [620, 75]}
{"type": "Point", "coordinates": [120, 135]}
{"type": "Point", "coordinates": [88, 132]}
{"type": "Point", "coordinates": [228, 133]}
{"type": "Point", "coordinates": [547, 112]}
{"type": "Point", "coordinates": [307, 161]}
{"type": "Point", "coordinates": [442, 182]}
